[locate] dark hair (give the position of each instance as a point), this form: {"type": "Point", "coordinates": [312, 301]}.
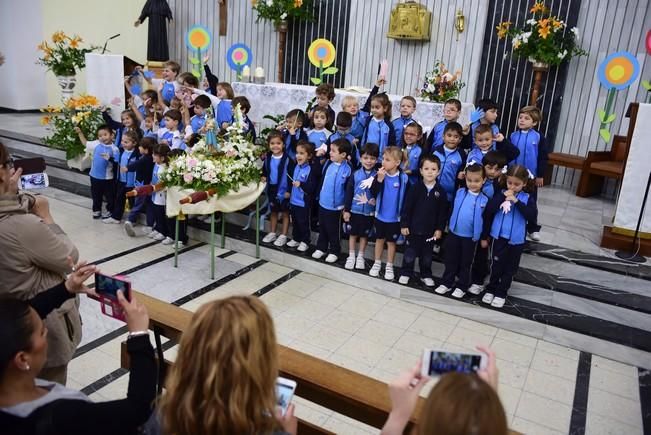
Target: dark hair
{"type": "Point", "coordinates": [176, 152]}
{"type": "Point", "coordinates": [135, 137]}
{"type": "Point", "coordinates": [275, 133]}
{"type": "Point", "coordinates": [173, 114]}
{"type": "Point", "coordinates": [419, 128]}
{"type": "Point", "coordinates": [193, 139]}
{"type": "Point", "coordinates": [162, 150]}
{"type": "Point", "coordinates": [483, 128]}
{"type": "Point", "coordinates": [326, 89]}
{"type": "Point", "coordinates": [228, 88]}
{"type": "Point", "coordinates": [487, 104]}
{"type": "Point", "coordinates": [148, 143]}
{"type": "Point", "coordinates": [150, 94]}
{"type": "Point", "coordinates": [494, 158]}
{"type": "Point", "coordinates": [188, 79]}
{"type": "Point", "coordinates": [370, 148]}
{"type": "Point", "coordinates": [244, 103]}
{"type": "Point", "coordinates": [131, 115]}
{"type": "Point", "coordinates": [520, 172]}
{"type": "Point", "coordinates": [16, 330]}
{"type": "Point", "coordinates": [383, 99]}
{"type": "Point", "coordinates": [202, 101]}
{"type": "Point", "coordinates": [430, 158]}
{"type": "Point", "coordinates": [476, 167]}
{"type": "Point", "coordinates": [174, 66]}
{"type": "Point", "coordinates": [343, 146]}
{"type": "Point", "coordinates": [455, 127]}
{"type": "Point", "coordinates": [103, 127]}
{"type": "Point", "coordinates": [296, 113]}
{"type": "Point", "coordinates": [322, 110]}
{"type": "Point", "coordinates": [308, 146]}
{"type": "Point", "coordinates": [409, 98]}
{"type": "Point", "coordinates": [454, 102]}
{"type": "Point", "coordinates": [344, 120]}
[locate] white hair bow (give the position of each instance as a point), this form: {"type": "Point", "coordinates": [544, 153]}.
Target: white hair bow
{"type": "Point", "coordinates": [505, 169]}
{"type": "Point", "coordinates": [531, 176]}
{"type": "Point", "coordinates": [470, 163]}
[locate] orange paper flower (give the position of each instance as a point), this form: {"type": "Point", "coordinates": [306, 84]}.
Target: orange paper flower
{"type": "Point", "coordinates": [502, 29]}
{"type": "Point", "coordinates": [538, 7]}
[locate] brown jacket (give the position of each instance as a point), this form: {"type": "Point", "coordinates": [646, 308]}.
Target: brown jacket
{"type": "Point", "coordinates": [33, 258]}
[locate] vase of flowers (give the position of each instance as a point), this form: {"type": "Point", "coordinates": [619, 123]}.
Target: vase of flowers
{"type": "Point", "coordinates": [64, 57]}
{"type": "Point", "coordinates": [544, 39]}
{"type": "Point", "coordinates": [440, 84]}
{"type": "Point", "coordinates": [85, 112]}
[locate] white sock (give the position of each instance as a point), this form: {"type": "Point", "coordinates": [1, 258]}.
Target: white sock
{"type": "Point", "coordinates": [351, 253]}
{"type": "Point", "coordinates": [360, 254]}
{"type": "Point", "coordinates": [389, 264]}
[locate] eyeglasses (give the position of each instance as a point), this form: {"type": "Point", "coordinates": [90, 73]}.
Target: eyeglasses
{"type": "Point", "coordinates": [9, 164]}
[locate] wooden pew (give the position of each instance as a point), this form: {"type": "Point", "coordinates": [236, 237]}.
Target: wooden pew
{"type": "Point", "coordinates": [341, 390]}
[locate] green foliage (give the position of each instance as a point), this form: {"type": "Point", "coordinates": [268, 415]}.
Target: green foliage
{"type": "Point", "coordinates": [283, 10]}
{"type": "Point", "coordinates": [64, 57]}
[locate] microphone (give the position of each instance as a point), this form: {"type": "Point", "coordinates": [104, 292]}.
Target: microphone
{"type": "Point", "coordinates": [106, 43]}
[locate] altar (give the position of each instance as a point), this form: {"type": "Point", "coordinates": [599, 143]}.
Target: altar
{"type": "Point", "coordinates": [280, 98]}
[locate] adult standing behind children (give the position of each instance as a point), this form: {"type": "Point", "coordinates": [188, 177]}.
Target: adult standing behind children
{"type": "Point", "coordinates": [34, 253]}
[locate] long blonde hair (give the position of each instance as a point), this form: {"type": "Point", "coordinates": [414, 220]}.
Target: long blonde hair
{"type": "Point", "coordinates": [223, 379]}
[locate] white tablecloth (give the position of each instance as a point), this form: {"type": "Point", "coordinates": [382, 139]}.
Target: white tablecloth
{"type": "Point", "coordinates": [280, 98]}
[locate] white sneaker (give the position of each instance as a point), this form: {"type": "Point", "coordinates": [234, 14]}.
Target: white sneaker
{"type": "Point", "coordinates": [488, 298]}
{"type": "Point", "coordinates": [280, 240]}
{"type": "Point", "coordinates": [475, 289]}
{"type": "Point", "coordinates": [535, 236]}
{"type": "Point", "coordinates": [292, 243]}
{"type": "Point", "coordinates": [104, 215]}
{"type": "Point", "coordinates": [458, 293]}
{"type": "Point", "coordinates": [331, 258]}
{"type": "Point", "coordinates": [181, 244]}
{"type": "Point", "coordinates": [350, 262]}
{"type": "Point", "coordinates": [404, 279]}
{"type": "Point", "coordinates": [442, 289]}
{"type": "Point", "coordinates": [167, 241]}
{"type": "Point", "coordinates": [303, 247]}
{"type": "Point", "coordinates": [270, 237]}
{"type": "Point", "coordinates": [375, 269]}
{"type": "Point", "coordinates": [429, 282]}
{"type": "Point", "coordinates": [128, 228]}
{"type": "Point", "coordinates": [152, 234]}
{"type": "Point", "coordinates": [498, 302]}
{"type": "Point", "coordinates": [97, 214]}
{"type": "Point", "coordinates": [110, 220]}
{"type": "Point", "coordinates": [360, 263]}
{"type": "Point", "coordinates": [159, 237]}
{"type": "Point", "coordinates": [317, 254]}
{"type": "Point", "coordinates": [388, 272]}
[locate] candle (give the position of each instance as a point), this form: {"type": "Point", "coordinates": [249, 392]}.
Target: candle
{"type": "Point", "coordinates": [246, 71]}
{"type": "Point", "coordinates": [259, 72]}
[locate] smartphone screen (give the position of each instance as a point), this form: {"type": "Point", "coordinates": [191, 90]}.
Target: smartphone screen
{"type": "Point", "coordinates": [444, 362]}
{"type": "Point", "coordinates": [34, 181]}
{"type": "Point", "coordinates": [284, 392]}
{"type": "Point", "coordinates": [108, 286]}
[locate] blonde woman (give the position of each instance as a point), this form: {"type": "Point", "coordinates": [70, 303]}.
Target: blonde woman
{"type": "Point", "coordinates": [223, 379]}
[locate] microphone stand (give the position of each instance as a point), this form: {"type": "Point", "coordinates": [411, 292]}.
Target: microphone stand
{"type": "Point", "coordinates": [634, 254]}
{"type": "Point", "coordinates": [107, 41]}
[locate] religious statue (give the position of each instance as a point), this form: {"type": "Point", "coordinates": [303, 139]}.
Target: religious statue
{"type": "Point", "coordinates": [158, 11]}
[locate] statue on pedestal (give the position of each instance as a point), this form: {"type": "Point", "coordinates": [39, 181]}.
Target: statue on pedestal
{"type": "Point", "coordinates": [158, 11]}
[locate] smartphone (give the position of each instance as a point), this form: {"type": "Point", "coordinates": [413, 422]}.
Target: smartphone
{"type": "Point", "coordinates": [30, 166]}
{"type": "Point", "coordinates": [107, 288]}
{"type": "Point", "coordinates": [34, 181]}
{"type": "Point", "coordinates": [284, 392]}
{"type": "Point", "coordinates": [438, 362]}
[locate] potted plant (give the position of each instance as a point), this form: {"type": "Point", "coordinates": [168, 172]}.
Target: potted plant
{"type": "Point", "coordinates": [85, 112]}
{"type": "Point", "coordinates": [440, 85]}
{"type": "Point", "coordinates": [64, 57]}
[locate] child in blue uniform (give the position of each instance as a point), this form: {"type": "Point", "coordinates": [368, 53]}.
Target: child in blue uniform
{"type": "Point", "coordinates": [452, 158]}
{"type": "Point", "coordinates": [343, 125]}
{"type": "Point", "coordinates": [465, 225]}
{"type": "Point", "coordinates": [413, 150]}
{"type": "Point", "coordinates": [104, 153]}
{"type": "Point", "coordinates": [224, 110]}
{"type": "Point", "coordinates": [490, 109]}
{"type": "Point", "coordinates": [170, 134]}
{"type": "Point", "coordinates": [451, 113]}
{"type": "Point", "coordinates": [484, 140]}
{"type": "Point", "coordinates": [196, 123]}
{"type": "Point", "coordinates": [350, 104]}
{"type": "Point", "coordinates": [533, 154]}
{"type": "Point", "coordinates": [407, 109]}
{"type": "Point", "coordinates": [125, 179]}
{"type": "Point", "coordinates": [360, 207]}
{"type": "Point", "coordinates": [389, 187]}
{"type": "Point", "coordinates": [422, 221]}
{"type": "Point", "coordinates": [505, 221]}
{"type": "Point", "coordinates": [274, 172]}
{"type": "Point", "coordinates": [332, 191]}
{"type": "Point", "coordinates": [143, 168]}
{"type": "Point", "coordinates": [292, 131]}
{"type": "Point", "coordinates": [378, 128]}
{"type": "Point", "coordinates": [304, 181]}
{"type": "Point", "coordinates": [324, 94]}
{"type": "Point", "coordinates": [319, 134]}
{"type": "Point", "coordinates": [245, 107]}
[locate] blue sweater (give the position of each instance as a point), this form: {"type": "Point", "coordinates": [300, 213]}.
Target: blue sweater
{"type": "Point", "coordinates": [452, 161]}
{"type": "Point", "coordinates": [354, 191]}
{"type": "Point", "coordinates": [511, 226]}
{"type": "Point", "coordinates": [413, 162]}
{"type": "Point", "coordinates": [532, 148]}
{"type": "Point", "coordinates": [399, 125]}
{"type": "Point", "coordinates": [389, 194]}
{"type": "Point", "coordinates": [276, 172]}
{"type": "Point", "coordinates": [307, 174]}
{"type": "Point", "coordinates": [333, 185]}
{"type": "Point", "coordinates": [467, 214]}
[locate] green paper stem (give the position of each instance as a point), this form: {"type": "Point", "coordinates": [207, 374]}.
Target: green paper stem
{"type": "Point", "coordinates": [321, 70]}
{"type": "Point", "coordinates": [238, 73]}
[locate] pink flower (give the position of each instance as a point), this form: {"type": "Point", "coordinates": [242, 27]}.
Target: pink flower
{"type": "Point", "coordinates": [187, 177]}
{"type": "Point", "coordinates": [192, 163]}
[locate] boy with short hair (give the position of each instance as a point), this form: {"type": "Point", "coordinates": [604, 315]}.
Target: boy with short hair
{"type": "Point", "coordinates": [170, 134]}
{"type": "Point", "coordinates": [336, 172]}
{"type": "Point", "coordinates": [490, 109]}
{"type": "Point", "coordinates": [343, 127]}
{"type": "Point", "coordinates": [484, 140]}
{"type": "Point", "coordinates": [451, 113]}
{"type": "Point", "coordinates": [325, 93]}
{"type": "Point", "coordinates": [407, 109]}
{"type": "Point", "coordinates": [452, 158]}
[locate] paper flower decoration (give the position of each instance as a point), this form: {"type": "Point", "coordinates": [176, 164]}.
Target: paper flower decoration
{"type": "Point", "coordinates": [648, 42]}
{"type": "Point", "coordinates": [322, 54]}
{"type": "Point", "coordinates": [198, 38]}
{"type": "Point", "coordinates": [238, 56]}
{"type": "Point", "coordinates": [618, 70]}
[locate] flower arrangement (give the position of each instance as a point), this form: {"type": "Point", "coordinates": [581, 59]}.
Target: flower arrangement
{"type": "Point", "coordinates": [281, 10]}
{"type": "Point", "coordinates": [64, 57]}
{"type": "Point", "coordinates": [440, 85]}
{"type": "Point", "coordinates": [232, 163]}
{"type": "Point", "coordinates": [84, 111]}
{"type": "Point", "coordinates": [543, 38]}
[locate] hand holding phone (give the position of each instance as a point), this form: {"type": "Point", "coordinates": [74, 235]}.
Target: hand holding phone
{"type": "Point", "coordinates": [107, 288]}
{"type": "Point", "coordinates": [438, 362]}
{"type": "Point", "coordinates": [284, 392]}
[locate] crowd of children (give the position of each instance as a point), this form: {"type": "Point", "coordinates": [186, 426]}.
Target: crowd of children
{"type": "Point", "coordinates": [465, 188]}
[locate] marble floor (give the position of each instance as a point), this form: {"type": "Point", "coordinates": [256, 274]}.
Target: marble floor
{"type": "Point", "coordinates": [375, 328]}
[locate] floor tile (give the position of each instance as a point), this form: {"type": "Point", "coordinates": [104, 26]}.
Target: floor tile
{"type": "Point", "coordinates": [545, 412]}
{"type": "Point", "coordinates": [325, 337]}
{"type": "Point", "coordinates": [332, 295]}
{"type": "Point", "coordinates": [550, 386]}
{"type": "Point", "coordinates": [310, 349]}
{"type": "Point", "coordinates": [554, 365]}
{"type": "Point", "coordinates": [469, 338]}
{"type": "Point", "coordinates": [616, 383]}
{"type": "Point", "coordinates": [350, 363]}
{"type": "Point", "coordinates": [510, 397]}
{"type": "Point", "coordinates": [396, 361]}
{"type": "Point", "coordinates": [414, 344]}
{"type": "Point", "coordinates": [514, 337]}
{"type": "Point", "coordinates": [396, 317]}
{"type": "Point", "coordinates": [380, 333]}
{"type": "Point", "coordinates": [344, 321]}
{"type": "Point", "coordinates": [599, 425]}
{"type": "Point", "coordinates": [363, 350]}
{"type": "Point", "coordinates": [614, 366]}
{"type": "Point", "coordinates": [531, 428]}
{"type": "Point", "coordinates": [477, 327]}
{"type": "Point", "coordinates": [614, 407]}
{"type": "Point", "coordinates": [512, 374]}
{"type": "Point", "coordinates": [432, 328]}
{"type": "Point", "coordinates": [514, 352]}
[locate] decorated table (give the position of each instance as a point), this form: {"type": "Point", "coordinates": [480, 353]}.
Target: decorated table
{"type": "Point", "coordinates": [279, 98]}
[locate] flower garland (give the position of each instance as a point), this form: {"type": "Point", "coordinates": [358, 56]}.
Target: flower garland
{"type": "Point", "coordinates": [226, 167]}
{"type": "Point", "coordinates": [543, 38]}
{"type": "Point", "coordinates": [440, 85]}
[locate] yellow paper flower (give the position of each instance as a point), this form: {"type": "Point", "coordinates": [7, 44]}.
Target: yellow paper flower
{"type": "Point", "coordinates": [556, 24]}
{"type": "Point", "coordinates": [502, 29]}
{"type": "Point", "coordinates": [58, 37]}
{"type": "Point", "coordinates": [516, 44]}
{"type": "Point", "coordinates": [45, 120]}
{"type": "Point", "coordinates": [538, 7]}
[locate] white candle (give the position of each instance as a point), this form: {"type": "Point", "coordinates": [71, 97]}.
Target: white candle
{"type": "Point", "coordinates": [246, 71]}
{"type": "Point", "coordinates": [259, 72]}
